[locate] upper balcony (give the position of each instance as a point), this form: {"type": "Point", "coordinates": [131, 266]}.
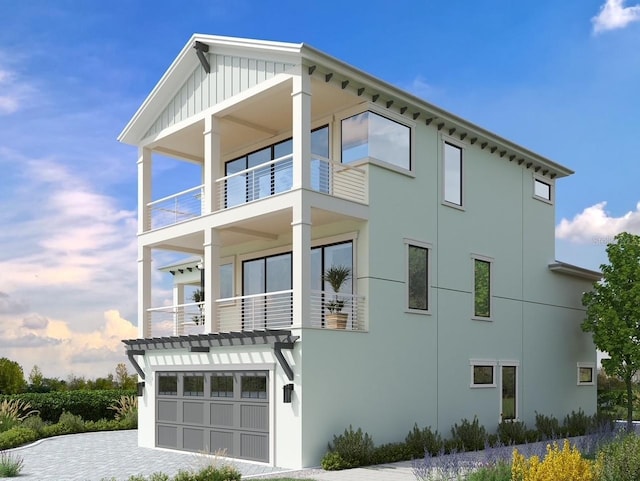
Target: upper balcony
{"type": "Point", "coordinates": [256, 183]}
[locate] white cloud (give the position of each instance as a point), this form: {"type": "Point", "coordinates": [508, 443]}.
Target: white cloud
{"type": "Point", "coordinates": [614, 15]}
{"type": "Point", "coordinates": [597, 226]}
{"type": "Point", "coordinates": [14, 91]}
{"type": "Point", "coordinates": [421, 88]}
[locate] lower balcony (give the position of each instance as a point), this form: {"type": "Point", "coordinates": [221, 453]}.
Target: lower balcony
{"type": "Point", "coordinates": [256, 312]}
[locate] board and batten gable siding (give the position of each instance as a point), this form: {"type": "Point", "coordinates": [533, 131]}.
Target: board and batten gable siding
{"type": "Point", "coordinates": [229, 76]}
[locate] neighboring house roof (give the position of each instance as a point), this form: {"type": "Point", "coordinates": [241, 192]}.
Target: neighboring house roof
{"type": "Point", "coordinates": [332, 70]}
{"type": "Point", "coordinates": [575, 271]}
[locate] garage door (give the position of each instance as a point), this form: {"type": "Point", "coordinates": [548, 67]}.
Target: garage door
{"type": "Point", "coordinates": [215, 412]}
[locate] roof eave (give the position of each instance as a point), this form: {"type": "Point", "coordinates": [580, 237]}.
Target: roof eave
{"type": "Point", "coordinates": [575, 271]}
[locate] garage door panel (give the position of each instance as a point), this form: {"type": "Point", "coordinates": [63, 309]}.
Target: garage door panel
{"type": "Point", "coordinates": [193, 439]}
{"type": "Point", "coordinates": [222, 414]}
{"type": "Point", "coordinates": [254, 446]}
{"type": "Point", "coordinates": [168, 411]}
{"type": "Point", "coordinates": [222, 441]}
{"type": "Point", "coordinates": [168, 436]}
{"type": "Point", "coordinates": [193, 412]}
{"type": "Point", "coordinates": [254, 416]}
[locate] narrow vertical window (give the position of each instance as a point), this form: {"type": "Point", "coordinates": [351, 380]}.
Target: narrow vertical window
{"type": "Point", "coordinates": [482, 288]}
{"type": "Point", "coordinates": [418, 278]}
{"type": "Point", "coordinates": [452, 174]}
{"type": "Point", "coordinates": [509, 393]}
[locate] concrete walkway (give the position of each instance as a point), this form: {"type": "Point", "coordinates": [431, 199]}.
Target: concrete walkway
{"type": "Point", "coordinates": [115, 455]}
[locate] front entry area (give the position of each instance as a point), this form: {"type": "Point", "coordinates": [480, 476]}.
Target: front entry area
{"type": "Point", "coordinates": [223, 412]}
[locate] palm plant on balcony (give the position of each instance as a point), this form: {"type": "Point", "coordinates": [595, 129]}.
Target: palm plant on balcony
{"type": "Point", "coordinates": [336, 276]}
{"type": "Point", "coordinates": [198, 298]}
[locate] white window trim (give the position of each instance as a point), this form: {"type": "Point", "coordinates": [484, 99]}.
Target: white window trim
{"type": "Point", "coordinates": [590, 365]}
{"type": "Point", "coordinates": [429, 247]}
{"type": "Point", "coordinates": [381, 111]}
{"type": "Point", "coordinates": [490, 260]}
{"type": "Point", "coordinates": [445, 139]}
{"type": "Point", "coordinates": [483, 362]}
{"type": "Point", "coordinates": [552, 191]}
{"type": "Point", "coordinates": [515, 364]}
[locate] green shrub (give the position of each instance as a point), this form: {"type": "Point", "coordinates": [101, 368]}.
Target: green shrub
{"type": "Point", "coordinates": [620, 459]}
{"type": "Point", "coordinates": [332, 461]}
{"type": "Point", "coordinates": [390, 453]}
{"type": "Point", "coordinates": [354, 447]}
{"type": "Point", "coordinates": [71, 423]}
{"type": "Point", "coordinates": [17, 436]}
{"type": "Point", "coordinates": [158, 477]}
{"type": "Point", "coordinates": [548, 426]}
{"type": "Point", "coordinates": [500, 472]}
{"type": "Point", "coordinates": [91, 405]}
{"type": "Point", "coordinates": [512, 432]}
{"type": "Point", "coordinates": [223, 472]}
{"type": "Point", "coordinates": [468, 436]}
{"type": "Point", "coordinates": [577, 423]}
{"type": "Point", "coordinates": [36, 423]}
{"type": "Point", "coordinates": [421, 441]}
{"type": "Point", "coordinates": [10, 465]}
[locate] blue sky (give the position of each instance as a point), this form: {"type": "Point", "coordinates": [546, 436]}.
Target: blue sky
{"type": "Point", "coordinates": [560, 78]}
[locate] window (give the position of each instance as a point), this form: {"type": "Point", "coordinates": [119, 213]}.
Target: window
{"type": "Point", "coordinates": [167, 384]}
{"type": "Point", "coordinates": [483, 373]}
{"type": "Point", "coordinates": [193, 385]}
{"type": "Point", "coordinates": [452, 174]}
{"type": "Point", "coordinates": [482, 288]}
{"type": "Point", "coordinates": [370, 136]}
{"type": "Point", "coordinates": [222, 385]}
{"type": "Point", "coordinates": [586, 374]}
{"type": "Point", "coordinates": [417, 276]}
{"type": "Point", "coordinates": [254, 387]}
{"type": "Point", "coordinates": [509, 398]}
{"type": "Point", "coordinates": [541, 190]}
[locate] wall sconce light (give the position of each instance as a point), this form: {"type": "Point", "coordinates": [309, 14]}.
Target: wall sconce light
{"type": "Point", "coordinates": [287, 389]}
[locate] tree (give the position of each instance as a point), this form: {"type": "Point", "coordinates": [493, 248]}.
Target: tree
{"type": "Point", "coordinates": [11, 377]}
{"type": "Point", "coordinates": [123, 379]}
{"type": "Point", "coordinates": [613, 312]}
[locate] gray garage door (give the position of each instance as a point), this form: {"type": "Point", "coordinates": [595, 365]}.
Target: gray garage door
{"type": "Point", "coordinates": [214, 412]}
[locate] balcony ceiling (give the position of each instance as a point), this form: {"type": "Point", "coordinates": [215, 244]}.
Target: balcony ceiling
{"type": "Point", "coordinates": [265, 116]}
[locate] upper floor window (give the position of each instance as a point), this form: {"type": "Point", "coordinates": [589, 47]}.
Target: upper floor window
{"type": "Point", "coordinates": [452, 174]}
{"type": "Point", "coordinates": [542, 190]}
{"type": "Point", "coordinates": [417, 276]}
{"type": "Point", "coordinates": [369, 135]}
{"type": "Point", "coordinates": [586, 372]}
{"type": "Point", "coordinates": [481, 287]}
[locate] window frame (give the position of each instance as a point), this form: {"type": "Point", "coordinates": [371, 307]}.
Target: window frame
{"type": "Point", "coordinates": [473, 363]}
{"type": "Point", "coordinates": [546, 181]}
{"type": "Point", "coordinates": [384, 113]}
{"type": "Point", "coordinates": [246, 375]}
{"type": "Point", "coordinates": [444, 140]}
{"type": "Point", "coordinates": [490, 261]}
{"type": "Point", "coordinates": [586, 365]}
{"type": "Point", "coordinates": [428, 247]}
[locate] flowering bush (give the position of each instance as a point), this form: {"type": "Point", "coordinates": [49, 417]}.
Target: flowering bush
{"type": "Point", "coordinates": [558, 465]}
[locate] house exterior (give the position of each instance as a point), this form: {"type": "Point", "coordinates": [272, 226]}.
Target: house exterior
{"type": "Point", "coordinates": [455, 306]}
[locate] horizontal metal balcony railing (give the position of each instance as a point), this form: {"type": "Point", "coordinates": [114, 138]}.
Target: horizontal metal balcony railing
{"type": "Point", "coordinates": [175, 208]}
{"type": "Point", "coordinates": [272, 310]}
{"type": "Point", "coordinates": [178, 320]}
{"type": "Point", "coordinates": [259, 182]}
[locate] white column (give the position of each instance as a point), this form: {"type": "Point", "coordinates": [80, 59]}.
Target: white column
{"type": "Point", "coordinates": [210, 201]}
{"type": "Point", "coordinates": [301, 230]}
{"type": "Point", "coordinates": [178, 316]}
{"type": "Point", "coordinates": [144, 188]}
{"type": "Point", "coordinates": [301, 98]}
{"type": "Point", "coordinates": [144, 291]}
{"type": "Point", "coordinates": [212, 279]}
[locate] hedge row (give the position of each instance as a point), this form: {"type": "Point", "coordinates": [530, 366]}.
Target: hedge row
{"type": "Point", "coordinates": [91, 405]}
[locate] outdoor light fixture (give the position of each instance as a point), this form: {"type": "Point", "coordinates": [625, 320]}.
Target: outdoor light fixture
{"type": "Point", "coordinates": [287, 389]}
{"type": "Point", "coordinates": [201, 49]}
{"type": "Point", "coordinates": [200, 267]}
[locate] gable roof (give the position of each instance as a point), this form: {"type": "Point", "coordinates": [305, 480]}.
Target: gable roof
{"type": "Point", "coordinates": [330, 69]}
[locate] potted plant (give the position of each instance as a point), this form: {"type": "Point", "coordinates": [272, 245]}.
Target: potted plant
{"type": "Point", "coordinates": [198, 297]}
{"type": "Point", "coordinates": [336, 276]}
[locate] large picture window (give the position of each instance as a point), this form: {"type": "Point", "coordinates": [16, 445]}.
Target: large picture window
{"type": "Point", "coordinates": [452, 174]}
{"type": "Point", "coordinates": [371, 136]}
{"type": "Point", "coordinates": [417, 277]}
